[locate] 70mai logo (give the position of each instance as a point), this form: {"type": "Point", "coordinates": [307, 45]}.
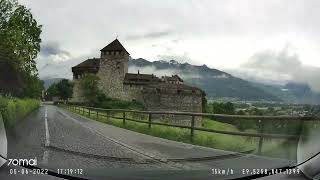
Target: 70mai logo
{"type": "Point", "coordinates": [22, 162]}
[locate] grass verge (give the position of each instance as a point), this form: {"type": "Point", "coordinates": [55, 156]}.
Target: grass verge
{"type": "Point", "coordinates": [14, 109]}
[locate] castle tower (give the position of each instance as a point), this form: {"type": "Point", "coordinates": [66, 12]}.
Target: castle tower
{"type": "Point", "coordinates": [113, 67]}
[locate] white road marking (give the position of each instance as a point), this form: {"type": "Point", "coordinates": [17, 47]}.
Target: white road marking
{"type": "Point", "coordinates": [45, 157]}
{"type": "Point", "coordinates": [47, 143]}
{"type": "Point", "coordinates": [148, 155]}
{"type": "Point", "coordinates": [133, 149]}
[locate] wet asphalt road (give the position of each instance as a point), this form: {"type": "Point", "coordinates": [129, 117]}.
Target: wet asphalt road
{"type": "Point", "coordinates": [70, 145]}
{"type": "Point", "coordinates": [59, 139]}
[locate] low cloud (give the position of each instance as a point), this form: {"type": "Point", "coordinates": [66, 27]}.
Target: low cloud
{"type": "Point", "coordinates": [222, 76]}
{"type": "Point", "coordinates": [151, 70]}
{"type": "Point", "coordinates": [150, 35]}
{"type": "Point", "coordinates": [180, 58]}
{"type": "Point", "coordinates": [55, 62]}
{"type": "Point", "coordinates": [53, 50]}
{"type": "Point", "coordinates": [279, 67]}
{"type": "Point", "coordinates": [162, 72]}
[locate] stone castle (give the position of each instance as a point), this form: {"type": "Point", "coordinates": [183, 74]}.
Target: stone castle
{"type": "Point", "coordinates": [166, 93]}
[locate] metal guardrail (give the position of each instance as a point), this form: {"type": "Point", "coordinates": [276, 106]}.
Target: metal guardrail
{"type": "Point", "coordinates": [98, 112]}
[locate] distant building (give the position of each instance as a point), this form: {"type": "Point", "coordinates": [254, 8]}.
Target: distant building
{"type": "Point", "coordinates": [167, 93]}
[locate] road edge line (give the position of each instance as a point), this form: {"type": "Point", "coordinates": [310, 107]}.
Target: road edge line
{"type": "Point", "coordinates": [47, 142]}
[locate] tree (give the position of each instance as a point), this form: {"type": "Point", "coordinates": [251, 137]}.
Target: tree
{"type": "Point", "coordinates": [89, 86]}
{"type": "Point", "coordinates": [20, 36]}
{"type": "Point", "coordinates": [52, 91]}
{"type": "Point", "coordinates": [241, 112]}
{"type": "Point", "coordinates": [62, 89]}
{"type": "Point", "coordinates": [19, 45]}
{"type": "Point", "coordinates": [229, 108]}
{"type": "Point", "coordinates": [222, 108]}
{"type": "Point", "coordinates": [34, 87]}
{"type": "Point", "coordinates": [65, 89]}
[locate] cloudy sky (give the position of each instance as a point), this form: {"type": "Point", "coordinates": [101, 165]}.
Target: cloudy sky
{"type": "Point", "coordinates": [266, 39]}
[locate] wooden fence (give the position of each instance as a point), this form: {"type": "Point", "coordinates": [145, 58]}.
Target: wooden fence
{"type": "Point", "coordinates": [97, 112]}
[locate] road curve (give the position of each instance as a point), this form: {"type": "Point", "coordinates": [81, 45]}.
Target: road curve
{"type": "Point", "coordinates": [61, 139]}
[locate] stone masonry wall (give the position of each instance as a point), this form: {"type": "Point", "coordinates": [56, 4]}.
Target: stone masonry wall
{"type": "Point", "coordinates": [157, 101]}
{"type": "Point", "coordinates": [133, 92]}
{"type": "Point", "coordinates": [77, 95]}
{"type": "Point", "coordinates": [111, 73]}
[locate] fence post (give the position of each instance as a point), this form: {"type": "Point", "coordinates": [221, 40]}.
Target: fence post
{"type": "Point", "coordinates": [108, 115]}
{"type": "Point", "coordinates": [89, 112]}
{"type": "Point", "coordinates": [192, 129]}
{"type": "Point", "coordinates": [124, 118]}
{"type": "Point", "coordinates": [150, 120]}
{"type": "Point", "coordinates": [97, 115]}
{"type": "Point", "coordinates": [261, 138]}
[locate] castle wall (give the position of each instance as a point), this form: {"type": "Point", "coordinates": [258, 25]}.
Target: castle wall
{"type": "Point", "coordinates": [77, 95]}
{"type": "Point", "coordinates": [133, 92]}
{"type": "Point", "coordinates": [164, 101]}
{"type": "Point", "coordinates": [113, 68]}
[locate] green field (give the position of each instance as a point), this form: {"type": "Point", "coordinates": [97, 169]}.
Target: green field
{"type": "Point", "coordinates": [272, 148]}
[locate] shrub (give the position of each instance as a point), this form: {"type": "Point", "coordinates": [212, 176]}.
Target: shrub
{"type": "Point", "coordinates": [14, 109]}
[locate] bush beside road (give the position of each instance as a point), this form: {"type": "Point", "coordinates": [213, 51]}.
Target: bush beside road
{"type": "Point", "coordinates": [14, 109]}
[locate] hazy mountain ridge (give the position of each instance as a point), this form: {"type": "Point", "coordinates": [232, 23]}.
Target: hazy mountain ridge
{"type": "Point", "coordinates": [216, 83]}
{"type": "Point", "coordinates": [49, 82]}
{"type": "Point", "coordinates": [292, 92]}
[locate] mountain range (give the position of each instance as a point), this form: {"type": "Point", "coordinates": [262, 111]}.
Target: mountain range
{"type": "Point", "coordinates": [217, 84]}
{"type": "Point", "coordinates": [292, 92]}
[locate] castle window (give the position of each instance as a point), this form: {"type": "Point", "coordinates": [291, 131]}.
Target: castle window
{"type": "Point", "coordinates": [178, 91]}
